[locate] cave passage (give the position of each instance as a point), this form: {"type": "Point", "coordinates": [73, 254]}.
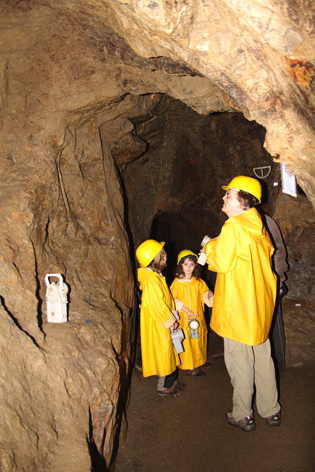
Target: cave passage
{"type": "Point", "coordinates": [173, 189]}
{"type": "Point", "coordinates": [175, 195]}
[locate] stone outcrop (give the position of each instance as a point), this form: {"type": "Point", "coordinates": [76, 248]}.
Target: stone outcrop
{"type": "Point", "coordinates": [106, 129]}
{"type": "Point", "coordinates": [261, 54]}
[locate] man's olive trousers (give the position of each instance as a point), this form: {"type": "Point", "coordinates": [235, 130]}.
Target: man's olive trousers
{"type": "Point", "coordinates": [249, 366]}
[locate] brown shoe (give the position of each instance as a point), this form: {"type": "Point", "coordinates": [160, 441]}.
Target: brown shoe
{"type": "Point", "coordinates": [171, 392]}
{"type": "Point", "coordinates": [196, 373]}
{"type": "Point", "coordinates": [179, 385]}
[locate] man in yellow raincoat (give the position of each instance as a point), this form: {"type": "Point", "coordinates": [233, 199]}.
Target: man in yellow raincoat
{"type": "Point", "coordinates": [157, 316]}
{"type": "Point", "coordinates": [243, 303]}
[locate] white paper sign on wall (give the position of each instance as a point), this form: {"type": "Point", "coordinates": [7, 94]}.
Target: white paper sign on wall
{"type": "Point", "coordinates": [288, 181]}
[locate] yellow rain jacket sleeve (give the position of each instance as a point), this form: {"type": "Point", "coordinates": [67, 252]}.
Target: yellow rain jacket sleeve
{"type": "Point", "coordinates": [192, 294]}
{"type": "Point", "coordinates": [245, 289]}
{"type": "Point", "coordinates": [158, 353]}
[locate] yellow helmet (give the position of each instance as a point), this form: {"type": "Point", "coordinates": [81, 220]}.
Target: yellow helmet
{"type": "Point", "coordinates": [248, 184]}
{"type": "Point", "coordinates": [185, 253]}
{"type": "Point", "coordinates": [147, 251]}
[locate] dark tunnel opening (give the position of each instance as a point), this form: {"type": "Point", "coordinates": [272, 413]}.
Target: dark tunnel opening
{"type": "Point", "coordinates": [179, 232]}
{"type": "Point", "coordinates": [174, 188]}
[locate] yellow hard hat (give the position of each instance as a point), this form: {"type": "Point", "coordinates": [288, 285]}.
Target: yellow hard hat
{"type": "Point", "coordinates": [248, 184]}
{"type": "Point", "coordinates": [147, 251]}
{"type": "Point", "coordinates": [185, 253]}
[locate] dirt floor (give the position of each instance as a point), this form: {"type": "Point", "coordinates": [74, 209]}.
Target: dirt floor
{"type": "Point", "coordinates": [189, 433]}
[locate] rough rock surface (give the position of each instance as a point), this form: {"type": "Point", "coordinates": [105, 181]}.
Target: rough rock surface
{"type": "Point", "coordinates": [260, 53]}
{"type": "Point", "coordinates": [80, 102]}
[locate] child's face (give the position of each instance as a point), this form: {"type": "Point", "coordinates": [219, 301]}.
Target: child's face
{"type": "Point", "coordinates": [163, 257]}
{"type": "Point", "coordinates": [188, 267]}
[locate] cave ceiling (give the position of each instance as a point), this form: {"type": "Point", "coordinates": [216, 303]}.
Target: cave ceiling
{"type": "Point", "coordinates": [74, 58]}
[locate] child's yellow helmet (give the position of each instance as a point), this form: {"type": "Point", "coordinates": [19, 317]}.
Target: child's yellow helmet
{"type": "Point", "coordinates": [185, 253]}
{"type": "Point", "coordinates": [147, 251]}
{"type": "Point", "coordinates": [248, 184]}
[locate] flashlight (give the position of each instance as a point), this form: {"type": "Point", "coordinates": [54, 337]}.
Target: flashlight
{"type": "Point", "coordinates": [177, 336]}
{"type": "Point", "coordinates": [193, 324]}
{"type": "Point", "coordinates": [203, 258]}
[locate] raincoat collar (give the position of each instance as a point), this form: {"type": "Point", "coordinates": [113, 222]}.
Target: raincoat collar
{"type": "Point", "coordinates": [251, 221]}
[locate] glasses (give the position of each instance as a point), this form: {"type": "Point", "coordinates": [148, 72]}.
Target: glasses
{"type": "Point", "coordinates": [228, 195]}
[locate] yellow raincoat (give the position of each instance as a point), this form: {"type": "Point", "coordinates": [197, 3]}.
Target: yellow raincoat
{"type": "Point", "coordinates": [158, 353]}
{"type": "Point", "coordinates": [192, 294]}
{"type": "Point", "coordinates": [245, 289]}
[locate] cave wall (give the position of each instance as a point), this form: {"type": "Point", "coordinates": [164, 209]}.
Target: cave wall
{"type": "Point", "coordinates": [296, 219]}
{"type": "Point", "coordinates": [68, 219]}
{"type": "Point", "coordinates": [77, 83]}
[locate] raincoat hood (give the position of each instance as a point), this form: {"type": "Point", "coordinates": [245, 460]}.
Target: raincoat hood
{"type": "Point", "coordinates": [247, 222]}
{"type": "Point", "coordinates": [144, 275]}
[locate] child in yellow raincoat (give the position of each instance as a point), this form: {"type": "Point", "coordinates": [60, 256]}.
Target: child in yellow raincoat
{"type": "Point", "coordinates": [193, 293]}
{"type": "Point", "coordinates": [157, 316]}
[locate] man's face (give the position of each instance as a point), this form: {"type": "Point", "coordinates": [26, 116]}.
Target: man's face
{"type": "Point", "coordinates": [231, 206]}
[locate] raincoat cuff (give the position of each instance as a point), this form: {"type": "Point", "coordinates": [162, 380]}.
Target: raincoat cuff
{"type": "Point", "coordinates": [175, 314]}
{"type": "Point", "coordinates": [169, 323]}
{"type": "Point", "coordinates": [208, 301]}
{"type": "Point", "coordinates": [179, 305]}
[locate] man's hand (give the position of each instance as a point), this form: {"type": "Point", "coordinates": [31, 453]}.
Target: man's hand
{"type": "Point", "coordinates": [174, 325]}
